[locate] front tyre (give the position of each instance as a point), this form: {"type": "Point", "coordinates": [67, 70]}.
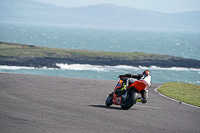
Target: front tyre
{"type": "Point", "coordinates": [109, 101]}
{"type": "Point", "coordinates": [129, 101]}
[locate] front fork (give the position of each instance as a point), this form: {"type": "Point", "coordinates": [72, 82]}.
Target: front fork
{"type": "Point", "coordinates": [124, 96]}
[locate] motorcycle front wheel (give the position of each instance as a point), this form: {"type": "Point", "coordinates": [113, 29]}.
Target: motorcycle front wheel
{"type": "Point", "coordinates": [109, 101]}
{"type": "Point", "coordinates": [129, 101]}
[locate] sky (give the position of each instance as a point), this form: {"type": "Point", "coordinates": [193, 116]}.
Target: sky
{"type": "Point", "coordinates": [164, 6]}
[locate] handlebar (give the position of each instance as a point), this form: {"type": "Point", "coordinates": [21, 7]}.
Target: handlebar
{"type": "Point", "coordinates": [121, 76]}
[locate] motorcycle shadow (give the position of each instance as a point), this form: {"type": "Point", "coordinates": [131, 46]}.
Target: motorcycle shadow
{"type": "Point", "coordinates": [110, 107]}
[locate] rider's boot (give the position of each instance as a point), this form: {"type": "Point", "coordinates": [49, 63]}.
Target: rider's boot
{"type": "Point", "coordinates": [144, 96]}
{"type": "Point", "coordinates": [143, 100]}
{"type": "Point", "coordinates": [139, 99]}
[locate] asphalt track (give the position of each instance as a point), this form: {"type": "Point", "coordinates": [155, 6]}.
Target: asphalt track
{"type": "Point", "coordinates": [37, 104]}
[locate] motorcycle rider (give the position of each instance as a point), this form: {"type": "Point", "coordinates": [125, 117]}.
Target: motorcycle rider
{"type": "Point", "coordinates": [145, 76]}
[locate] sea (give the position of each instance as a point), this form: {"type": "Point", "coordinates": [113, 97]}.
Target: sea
{"type": "Point", "coordinates": [180, 43]}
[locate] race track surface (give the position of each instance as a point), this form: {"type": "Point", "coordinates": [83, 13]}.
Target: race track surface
{"type": "Point", "coordinates": [36, 104]}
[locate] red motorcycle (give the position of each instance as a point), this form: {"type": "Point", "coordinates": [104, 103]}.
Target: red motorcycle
{"type": "Point", "coordinates": [128, 97]}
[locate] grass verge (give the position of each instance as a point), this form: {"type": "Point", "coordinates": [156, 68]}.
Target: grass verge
{"type": "Point", "coordinates": [184, 92]}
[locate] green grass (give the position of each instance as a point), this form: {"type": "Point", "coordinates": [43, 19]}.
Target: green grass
{"type": "Point", "coordinates": [19, 50]}
{"type": "Point", "coordinates": [184, 92]}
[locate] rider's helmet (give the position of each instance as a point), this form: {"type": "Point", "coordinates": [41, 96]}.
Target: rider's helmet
{"type": "Point", "coordinates": [146, 73]}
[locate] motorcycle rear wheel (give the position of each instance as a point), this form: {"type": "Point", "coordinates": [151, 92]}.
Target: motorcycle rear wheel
{"type": "Point", "coordinates": [129, 101]}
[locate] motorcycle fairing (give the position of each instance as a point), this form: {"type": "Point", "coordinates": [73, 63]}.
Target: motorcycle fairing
{"type": "Point", "coordinates": [119, 84]}
{"type": "Point", "coordinates": [117, 100]}
{"type": "Point", "coordinates": [140, 85]}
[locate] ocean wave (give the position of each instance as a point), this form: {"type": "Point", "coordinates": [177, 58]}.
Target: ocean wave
{"type": "Point", "coordinates": [172, 68]}
{"type": "Point", "coordinates": [118, 67]}
{"type": "Point", "coordinates": [15, 67]}
{"type": "Point", "coordinates": [82, 67]}
{"type": "Point", "coordinates": [3, 67]}
{"type": "Point", "coordinates": [88, 67]}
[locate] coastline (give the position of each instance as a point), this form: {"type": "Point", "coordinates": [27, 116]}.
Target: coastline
{"type": "Point", "coordinates": [51, 62]}
{"type": "Point", "coordinates": [32, 56]}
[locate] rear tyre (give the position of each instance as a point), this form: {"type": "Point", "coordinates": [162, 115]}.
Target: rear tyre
{"type": "Point", "coordinates": [129, 101]}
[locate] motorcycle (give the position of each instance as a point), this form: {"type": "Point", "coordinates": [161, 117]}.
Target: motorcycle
{"type": "Point", "coordinates": [129, 96]}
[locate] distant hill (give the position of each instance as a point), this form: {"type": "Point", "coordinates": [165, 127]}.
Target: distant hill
{"type": "Point", "coordinates": [97, 15]}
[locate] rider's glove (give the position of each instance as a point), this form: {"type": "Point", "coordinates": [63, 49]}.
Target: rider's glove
{"type": "Point", "coordinates": [128, 75]}
{"type": "Point", "coordinates": [121, 76]}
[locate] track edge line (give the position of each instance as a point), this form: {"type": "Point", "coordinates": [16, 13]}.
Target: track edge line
{"type": "Point", "coordinates": [156, 90]}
